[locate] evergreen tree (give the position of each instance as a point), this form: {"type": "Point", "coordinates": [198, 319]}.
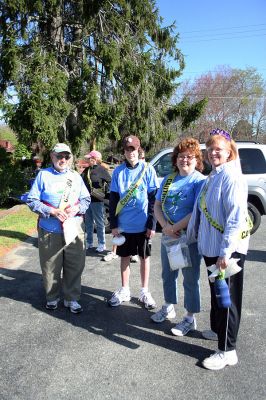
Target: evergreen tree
{"type": "Point", "coordinates": [85, 70]}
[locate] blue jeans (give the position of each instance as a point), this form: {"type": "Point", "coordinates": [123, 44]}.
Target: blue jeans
{"type": "Point", "coordinates": [95, 213]}
{"type": "Point", "coordinates": [191, 284]}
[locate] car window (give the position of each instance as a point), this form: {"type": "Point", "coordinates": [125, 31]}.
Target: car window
{"type": "Point", "coordinates": [163, 166]}
{"type": "Point", "coordinates": [252, 161]}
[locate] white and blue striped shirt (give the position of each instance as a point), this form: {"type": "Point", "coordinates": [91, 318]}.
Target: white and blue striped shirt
{"type": "Point", "coordinates": [226, 201]}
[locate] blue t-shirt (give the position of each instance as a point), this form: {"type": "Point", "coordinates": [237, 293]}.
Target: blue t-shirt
{"type": "Point", "coordinates": [47, 191]}
{"type": "Point", "coordinates": [133, 216]}
{"type": "Point", "coordinates": [181, 195]}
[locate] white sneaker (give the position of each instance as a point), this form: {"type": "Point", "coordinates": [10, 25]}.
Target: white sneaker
{"type": "Point", "coordinates": [134, 259]}
{"type": "Point", "coordinates": [100, 248]}
{"type": "Point", "coordinates": [73, 306]}
{"type": "Point", "coordinates": [110, 256]}
{"type": "Point", "coordinates": [209, 335]}
{"type": "Point", "coordinates": [148, 301]}
{"type": "Point", "coordinates": [119, 297]}
{"type": "Point", "coordinates": [220, 359]}
{"type": "Point", "coordinates": [183, 327]}
{"type": "Point", "coordinates": [52, 305]}
{"type": "Point", "coordinates": [166, 312]}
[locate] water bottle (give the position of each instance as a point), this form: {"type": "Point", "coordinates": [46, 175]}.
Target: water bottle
{"type": "Point", "coordinates": [222, 291]}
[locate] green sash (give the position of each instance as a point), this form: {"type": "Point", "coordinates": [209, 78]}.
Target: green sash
{"type": "Point", "coordinates": [202, 201]}
{"type": "Point", "coordinates": [165, 190]}
{"type": "Point", "coordinates": [122, 202]}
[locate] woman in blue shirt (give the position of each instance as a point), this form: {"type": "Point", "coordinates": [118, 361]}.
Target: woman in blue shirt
{"type": "Point", "coordinates": [173, 207]}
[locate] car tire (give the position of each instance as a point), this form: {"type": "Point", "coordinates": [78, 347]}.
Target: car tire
{"type": "Point", "coordinates": [254, 216]}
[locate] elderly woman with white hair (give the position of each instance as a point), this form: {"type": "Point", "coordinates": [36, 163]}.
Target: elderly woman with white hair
{"type": "Point", "coordinates": [96, 178]}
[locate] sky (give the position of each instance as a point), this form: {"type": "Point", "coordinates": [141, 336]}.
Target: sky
{"type": "Point", "coordinates": [214, 33]}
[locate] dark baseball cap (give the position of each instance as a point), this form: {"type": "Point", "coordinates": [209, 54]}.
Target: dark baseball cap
{"type": "Point", "coordinates": [131, 141]}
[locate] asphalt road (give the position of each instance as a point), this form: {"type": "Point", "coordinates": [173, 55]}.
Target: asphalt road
{"type": "Point", "coordinates": [118, 353]}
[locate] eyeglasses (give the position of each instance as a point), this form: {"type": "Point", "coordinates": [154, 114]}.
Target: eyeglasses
{"type": "Point", "coordinates": [61, 156]}
{"type": "Point", "coordinates": [221, 132]}
{"type": "Point", "coordinates": [183, 157]}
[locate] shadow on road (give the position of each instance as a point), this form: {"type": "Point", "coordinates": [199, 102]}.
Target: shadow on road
{"type": "Point", "coordinates": [126, 325]}
{"type": "Point", "coordinates": [256, 255]}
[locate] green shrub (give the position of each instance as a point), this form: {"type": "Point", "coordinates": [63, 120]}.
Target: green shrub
{"type": "Point", "coordinates": [13, 180]}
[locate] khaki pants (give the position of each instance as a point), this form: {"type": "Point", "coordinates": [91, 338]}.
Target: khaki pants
{"type": "Point", "coordinates": [57, 259]}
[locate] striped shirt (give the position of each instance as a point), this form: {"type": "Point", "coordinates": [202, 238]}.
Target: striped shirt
{"type": "Point", "coordinates": [226, 201]}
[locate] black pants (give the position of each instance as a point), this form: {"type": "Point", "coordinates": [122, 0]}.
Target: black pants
{"type": "Point", "coordinates": [225, 321]}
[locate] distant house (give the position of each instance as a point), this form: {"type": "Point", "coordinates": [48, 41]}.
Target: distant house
{"type": "Point", "coordinates": [7, 145]}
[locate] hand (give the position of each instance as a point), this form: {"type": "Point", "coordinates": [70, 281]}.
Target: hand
{"type": "Point", "coordinates": [59, 214]}
{"type": "Point", "coordinates": [168, 230]}
{"type": "Point", "coordinates": [72, 211]}
{"type": "Point", "coordinates": [115, 232]}
{"type": "Point", "coordinates": [150, 233]}
{"type": "Point", "coordinates": [222, 263]}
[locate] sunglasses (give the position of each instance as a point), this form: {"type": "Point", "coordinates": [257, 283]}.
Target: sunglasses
{"type": "Point", "coordinates": [61, 156]}
{"type": "Point", "coordinates": [221, 132]}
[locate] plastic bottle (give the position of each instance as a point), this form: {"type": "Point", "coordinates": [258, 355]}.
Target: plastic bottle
{"type": "Point", "coordinates": [222, 291]}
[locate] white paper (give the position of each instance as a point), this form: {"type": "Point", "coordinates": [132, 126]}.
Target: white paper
{"type": "Point", "coordinates": [232, 269]}
{"type": "Point", "coordinates": [176, 259]}
{"type": "Point", "coordinates": [70, 230]}
{"type": "Point", "coordinates": [118, 240]}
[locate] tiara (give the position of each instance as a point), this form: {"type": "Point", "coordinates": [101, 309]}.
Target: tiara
{"type": "Point", "coordinates": [221, 132]}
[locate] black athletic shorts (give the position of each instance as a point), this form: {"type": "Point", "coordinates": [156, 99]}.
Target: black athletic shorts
{"type": "Point", "coordinates": [135, 244]}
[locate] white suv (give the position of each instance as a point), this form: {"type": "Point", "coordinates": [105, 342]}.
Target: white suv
{"type": "Point", "coordinates": [253, 163]}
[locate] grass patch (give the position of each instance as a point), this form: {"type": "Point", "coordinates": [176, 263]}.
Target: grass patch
{"type": "Point", "coordinates": [16, 227]}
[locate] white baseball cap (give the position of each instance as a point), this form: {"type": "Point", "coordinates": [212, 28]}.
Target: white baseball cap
{"type": "Point", "coordinates": [60, 148]}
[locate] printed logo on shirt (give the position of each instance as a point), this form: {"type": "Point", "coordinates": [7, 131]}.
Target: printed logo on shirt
{"type": "Point", "coordinates": [174, 198]}
{"type": "Point", "coordinates": [137, 195]}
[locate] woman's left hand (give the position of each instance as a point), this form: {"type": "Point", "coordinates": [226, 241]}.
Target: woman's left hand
{"type": "Point", "coordinates": [168, 230]}
{"type": "Point", "coordinates": [222, 263]}
{"type": "Point", "coordinates": [71, 211]}
{"type": "Point", "coordinates": [150, 233]}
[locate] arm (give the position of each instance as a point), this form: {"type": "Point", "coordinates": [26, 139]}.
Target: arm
{"type": "Point", "coordinates": [234, 198]}
{"type": "Point", "coordinates": [167, 228]}
{"type": "Point", "coordinates": [113, 201]}
{"type": "Point", "coordinates": [151, 220]}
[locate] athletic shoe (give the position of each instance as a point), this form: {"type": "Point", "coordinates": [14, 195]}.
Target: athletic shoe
{"type": "Point", "coordinates": [164, 313]}
{"type": "Point", "coordinates": [134, 259]}
{"type": "Point", "coordinates": [73, 306]}
{"type": "Point", "coordinates": [220, 359]}
{"type": "Point", "coordinates": [100, 248]}
{"type": "Point", "coordinates": [148, 301]}
{"type": "Point", "coordinates": [119, 297]}
{"type": "Point", "coordinates": [110, 256]}
{"type": "Point", "coordinates": [183, 327]}
{"type": "Point", "coordinates": [52, 305]}
{"type": "Point", "coordinates": [209, 335]}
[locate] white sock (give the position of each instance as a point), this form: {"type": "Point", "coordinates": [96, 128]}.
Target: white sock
{"type": "Point", "coordinates": [144, 290]}
{"type": "Point", "coordinates": [125, 289]}
{"type": "Point", "coordinates": [168, 306]}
